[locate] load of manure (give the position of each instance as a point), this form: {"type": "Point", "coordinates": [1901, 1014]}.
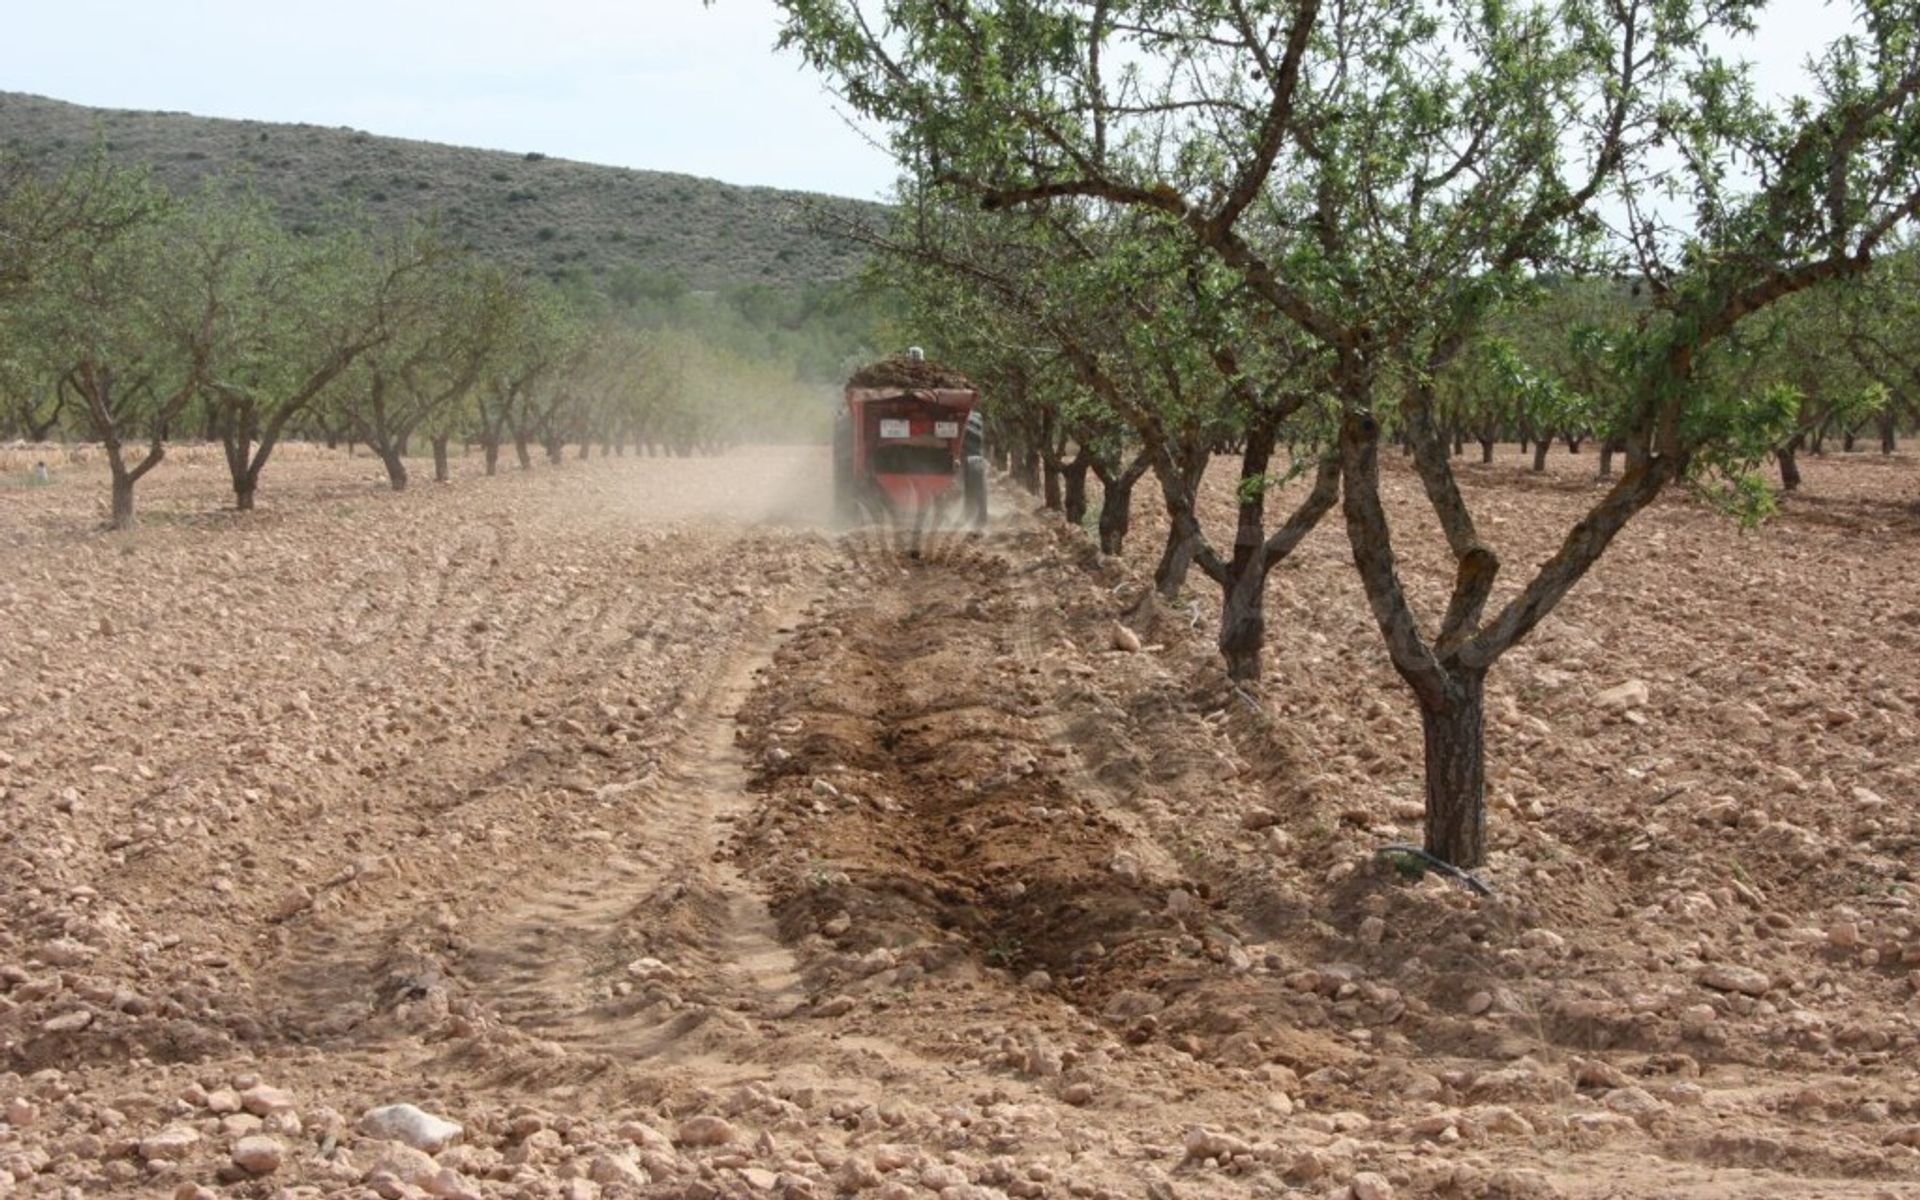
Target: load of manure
{"type": "Point", "coordinates": [904, 372]}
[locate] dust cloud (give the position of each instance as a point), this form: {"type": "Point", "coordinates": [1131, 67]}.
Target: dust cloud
{"type": "Point", "coordinates": [780, 486]}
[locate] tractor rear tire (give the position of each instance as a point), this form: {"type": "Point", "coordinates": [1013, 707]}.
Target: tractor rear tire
{"type": "Point", "coordinates": [846, 502]}
{"type": "Point", "coordinates": [846, 499]}
{"type": "Point", "coordinates": [974, 490]}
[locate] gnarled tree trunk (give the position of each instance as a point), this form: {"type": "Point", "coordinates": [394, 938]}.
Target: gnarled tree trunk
{"type": "Point", "coordinates": [1243, 620]}
{"type": "Point", "coordinates": [1116, 501]}
{"type": "Point", "coordinates": [122, 512]}
{"type": "Point", "coordinates": [1454, 732]}
{"type": "Point", "coordinates": [396, 467]}
{"type": "Point", "coordinates": [1180, 491]}
{"type": "Point", "coordinates": [1073, 477]}
{"type": "Point", "coordinates": [1789, 457]}
{"type": "Point", "coordinates": [1176, 562]}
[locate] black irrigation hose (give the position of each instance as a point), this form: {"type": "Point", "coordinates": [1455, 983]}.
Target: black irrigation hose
{"type": "Point", "coordinates": [1441, 865]}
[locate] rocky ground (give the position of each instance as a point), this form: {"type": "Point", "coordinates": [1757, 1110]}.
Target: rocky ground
{"type": "Point", "coordinates": [617, 831]}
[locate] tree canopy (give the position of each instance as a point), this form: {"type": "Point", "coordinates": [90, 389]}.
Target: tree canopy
{"type": "Point", "coordinates": [1364, 195]}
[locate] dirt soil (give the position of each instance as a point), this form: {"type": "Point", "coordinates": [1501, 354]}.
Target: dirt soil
{"type": "Point", "coordinates": [672, 845]}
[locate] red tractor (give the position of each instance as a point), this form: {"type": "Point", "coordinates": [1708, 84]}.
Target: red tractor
{"type": "Point", "coordinates": [909, 433]}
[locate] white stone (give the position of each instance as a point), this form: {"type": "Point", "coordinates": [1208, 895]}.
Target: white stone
{"type": "Point", "coordinates": [1728, 977]}
{"type": "Point", "coordinates": [1368, 1185]}
{"type": "Point", "coordinates": [1631, 694]}
{"type": "Point", "coordinates": [1204, 1141]}
{"type": "Point", "coordinates": [258, 1155]}
{"type": "Point", "coordinates": [704, 1131]}
{"type": "Point", "coordinates": [1543, 939]}
{"type": "Point", "coordinates": [263, 1101]}
{"type": "Point", "coordinates": [1635, 1102]}
{"type": "Point", "coordinates": [72, 1022]}
{"type": "Point", "coordinates": [617, 1168]}
{"type": "Point", "coordinates": [169, 1145]}
{"type": "Point", "coordinates": [644, 1135]}
{"type": "Point", "coordinates": [65, 952]}
{"type": "Point", "coordinates": [410, 1126]}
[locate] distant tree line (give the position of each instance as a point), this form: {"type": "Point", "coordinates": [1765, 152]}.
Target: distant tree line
{"type": "Point", "coordinates": [137, 318]}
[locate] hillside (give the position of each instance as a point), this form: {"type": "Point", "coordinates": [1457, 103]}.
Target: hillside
{"type": "Point", "coordinates": [548, 215]}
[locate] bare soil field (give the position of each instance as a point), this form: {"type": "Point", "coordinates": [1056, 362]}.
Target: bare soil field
{"type": "Point", "coordinates": [671, 845]}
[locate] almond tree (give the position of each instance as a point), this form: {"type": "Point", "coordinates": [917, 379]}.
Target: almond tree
{"type": "Point", "coordinates": [1160, 343]}
{"type": "Point", "coordinates": [1472, 391]}
{"type": "Point", "coordinates": [36, 215]}
{"type": "Point", "coordinates": [440, 340]}
{"type": "Point", "coordinates": [1881, 330]}
{"type": "Point", "coordinates": [106, 315]}
{"type": "Point", "coordinates": [557, 412]}
{"type": "Point", "coordinates": [621, 387]}
{"type": "Point", "coordinates": [478, 328]}
{"type": "Point", "coordinates": [1793, 364]}
{"type": "Point", "coordinates": [303, 311]}
{"type": "Point", "coordinates": [538, 333]}
{"type": "Point", "coordinates": [1379, 174]}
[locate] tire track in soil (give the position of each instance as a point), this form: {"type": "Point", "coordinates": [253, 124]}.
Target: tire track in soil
{"type": "Point", "coordinates": [378, 946]}
{"type": "Point", "coordinates": [549, 962]}
{"type": "Point", "coordinates": [718, 990]}
{"type": "Point", "coordinates": [971, 845]}
{"type": "Point", "coordinates": [389, 939]}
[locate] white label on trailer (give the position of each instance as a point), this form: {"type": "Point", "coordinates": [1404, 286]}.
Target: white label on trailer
{"type": "Point", "coordinates": [895, 429]}
{"type": "Point", "coordinates": [946, 429]}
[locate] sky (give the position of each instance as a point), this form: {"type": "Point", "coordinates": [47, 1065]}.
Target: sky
{"type": "Point", "coordinates": [667, 85]}
{"type": "Point", "coordinates": [664, 85]}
